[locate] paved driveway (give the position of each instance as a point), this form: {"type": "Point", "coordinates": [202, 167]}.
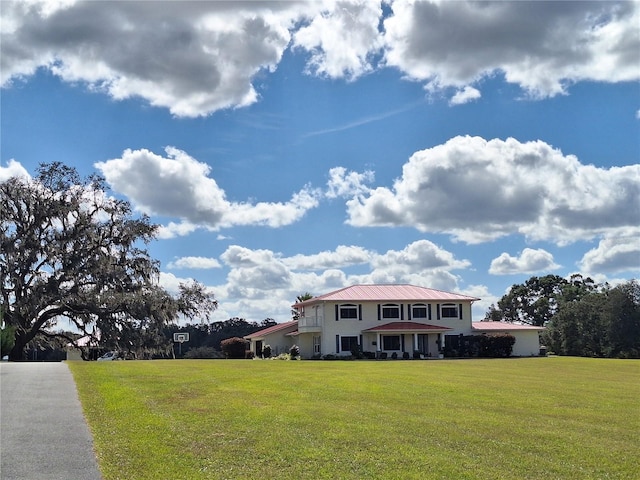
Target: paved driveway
{"type": "Point", "coordinates": [43, 433]}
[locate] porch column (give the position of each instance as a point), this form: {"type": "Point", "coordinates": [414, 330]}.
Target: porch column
{"type": "Point", "coordinates": [415, 342]}
{"type": "Point", "coordinates": [378, 344]}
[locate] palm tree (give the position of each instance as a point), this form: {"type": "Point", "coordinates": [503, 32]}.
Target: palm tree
{"type": "Point", "coordinates": [295, 314]}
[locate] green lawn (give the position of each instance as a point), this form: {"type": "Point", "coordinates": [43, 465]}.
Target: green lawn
{"type": "Point", "coordinates": [537, 418]}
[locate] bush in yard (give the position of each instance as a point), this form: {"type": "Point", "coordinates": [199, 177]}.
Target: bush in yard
{"type": "Point", "coordinates": [356, 352]}
{"type": "Point", "coordinates": [294, 352]}
{"type": "Point", "coordinates": [266, 351]}
{"type": "Point", "coordinates": [234, 347]}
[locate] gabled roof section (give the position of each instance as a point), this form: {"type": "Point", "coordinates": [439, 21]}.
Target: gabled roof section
{"type": "Point", "coordinates": [407, 327]}
{"type": "Point", "coordinates": [273, 329]}
{"type": "Point", "coordinates": [501, 327]}
{"type": "Point", "coordinates": [388, 293]}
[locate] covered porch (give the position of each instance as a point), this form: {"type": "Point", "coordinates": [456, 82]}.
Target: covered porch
{"type": "Point", "coordinates": [404, 338]}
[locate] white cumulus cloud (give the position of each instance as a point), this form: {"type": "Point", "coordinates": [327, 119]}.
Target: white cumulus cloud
{"type": "Point", "coordinates": [541, 46]}
{"type": "Point", "coordinates": [179, 186]}
{"type": "Point", "coordinates": [195, 58]}
{"type": "Point", "coordinates": [529, 261]}
{"type": "Point", "coordinates": [342, 256]}
{"type": "Point", "coordinates": [263, 280]}
{"type": "Point", "coordinates": [13, 169]}
{"type": "Point", "coordinates": [465, 95]}
{"type": "Point", "coordinates": [479, 190]}
{"type": "Point", "coordinates": [615, 253]}
{"type": "Point", "coordinates": [343, 183]}
{"type": "Point", "coordinates": [194, 262]}
{"type": "Point", "coordinates": [191, 57]}
{"type": "Point", "coordinates": [342, 39]}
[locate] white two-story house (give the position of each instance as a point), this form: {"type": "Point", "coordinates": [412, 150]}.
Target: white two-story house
{"type": "Point", "coordinates": [381, 318]}
{"type": "Point", "coordinates": [386, 319]}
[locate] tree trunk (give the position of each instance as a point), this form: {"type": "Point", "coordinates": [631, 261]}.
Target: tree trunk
{"type": "Point", "coordinates": [22, 338]}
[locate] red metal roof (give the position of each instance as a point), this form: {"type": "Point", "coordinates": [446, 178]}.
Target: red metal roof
{"type": "Point", "coordinates": [501, 326]}
{"type": "Point", "coordinates": [357, 293]}
{"type": "Point", "coordinates": [273, 329]}
{"type": "Point", "coordinates": [407, 326]}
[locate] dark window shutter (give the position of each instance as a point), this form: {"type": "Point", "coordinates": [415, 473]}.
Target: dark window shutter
{"type": "Point", "coordinates": [360, 311]}
{"type": "Point", "coordinates": [409, 312]}
{"type": "Point", "coordinates": [360, 341]}
{"type": "Point", "coordinates": [438, 310]}
{"type": "Point", "coordinates": [337, 312]}
{"type": "Point", "coordinates": [460, 311]}
{"type": "Point", "coordinates": [401, 311]}
{"type": "Point", "coordinates": [337, 343]}
{"type": "Point", "coordinates": [429, 307]}
{"type": "Point", "coordinates": [379, 315]}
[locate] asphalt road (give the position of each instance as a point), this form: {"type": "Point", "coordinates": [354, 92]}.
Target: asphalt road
{"type": "Point", "coordinates": [43, 433]}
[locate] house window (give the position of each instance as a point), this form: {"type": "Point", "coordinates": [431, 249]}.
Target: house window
{"type": "Point", "coordinates": [348, 344]}
{"type": "Point", "coordinates": [391, 342]}
{"type": "Point", "coordinates": [316, 345]}
{"type": "Point", "coordinates": [348, 312]}
{"type": "Point", "coordinates": [449, 310]}
{"type": "Point", "coordinates": [390, 312]}
{"type": "Point", "coordinates": [419, 311]}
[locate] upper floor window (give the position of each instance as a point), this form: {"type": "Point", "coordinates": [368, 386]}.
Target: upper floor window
{"type": "Point", "coordinates": [419, 311]}
{"type": "Point", "coordinates": [390, 311]}
{"type": "Point", "coordinates": [449, 310]}
{"type": "Point", "coordinates": [348, 311]}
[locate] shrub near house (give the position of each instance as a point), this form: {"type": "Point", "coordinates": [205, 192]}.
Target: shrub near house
{"type": "Point", "coordinates": [235, 347]}
{"type": "Point", "coordinates": [487, 346]}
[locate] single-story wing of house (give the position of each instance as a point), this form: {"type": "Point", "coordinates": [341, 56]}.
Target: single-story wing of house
{"type": "Point", "coordinates": [385, 319]}
{"type": "Point", "coordinates": [527, 337]}
{"type": "Point", "coordinates": [279, 337]}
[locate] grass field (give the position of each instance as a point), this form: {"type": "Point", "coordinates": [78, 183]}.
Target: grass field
{"type": "Point", "coordinates": [537, 418]}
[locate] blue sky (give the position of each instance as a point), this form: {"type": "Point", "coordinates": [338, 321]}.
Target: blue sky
{"type": "Point", "coordinates": [302, 147]}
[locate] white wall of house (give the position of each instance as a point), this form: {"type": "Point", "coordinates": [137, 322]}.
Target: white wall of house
{"type": "Point", "coordinates": [305, 344]}
{"type": "Point", "coordinates": [527, 343]}
{"type": "Point", "coordinates": [527, 338]}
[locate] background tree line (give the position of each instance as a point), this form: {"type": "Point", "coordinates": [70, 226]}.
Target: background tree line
{"type": "Point", "coordinates": [205, 339]}
{"type": "Point", "coordinates": [582, 317]}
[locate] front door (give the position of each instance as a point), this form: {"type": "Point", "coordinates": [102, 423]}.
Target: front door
{"type": "Point", "coordinates": [423, 343]}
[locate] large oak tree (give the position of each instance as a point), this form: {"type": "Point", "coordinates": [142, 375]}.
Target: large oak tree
{"type": "Point", "coordinates": [536, 301]}
{"type": "Point", "coordinates": [70, 250]}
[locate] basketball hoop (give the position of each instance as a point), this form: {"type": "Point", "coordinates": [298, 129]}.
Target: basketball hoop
{"type": "Point", "coordinates": [180, 338]}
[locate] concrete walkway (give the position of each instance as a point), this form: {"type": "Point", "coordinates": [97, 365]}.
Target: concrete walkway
{"type": "Point", "coordinates": [43, 430]}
